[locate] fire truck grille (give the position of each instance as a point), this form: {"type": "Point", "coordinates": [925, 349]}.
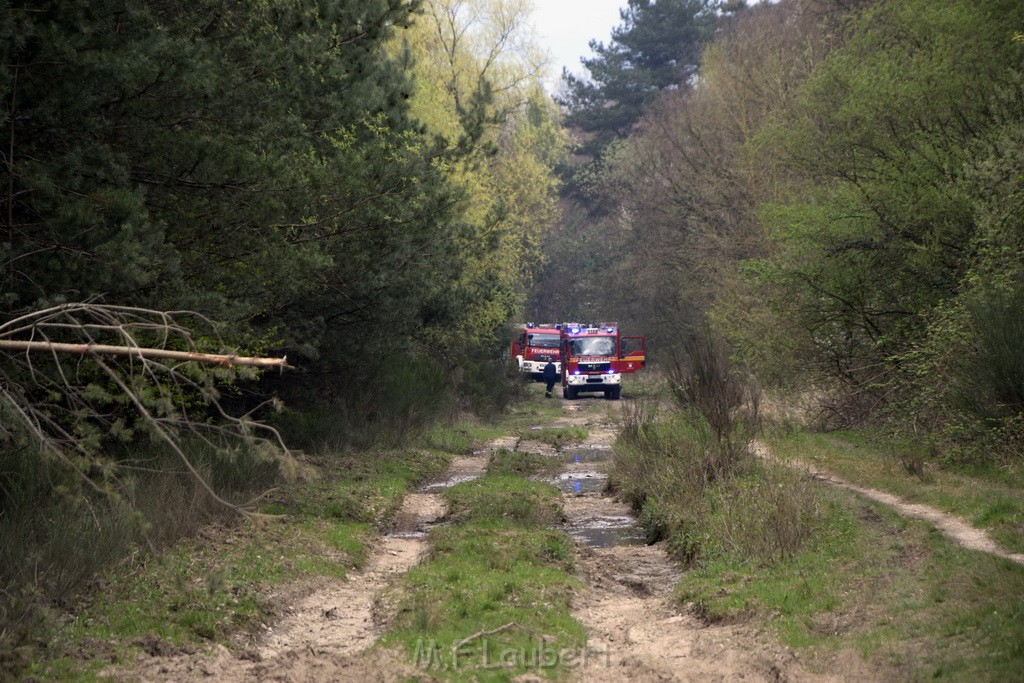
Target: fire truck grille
{"type": "Point", "coordinates": [595, 367]}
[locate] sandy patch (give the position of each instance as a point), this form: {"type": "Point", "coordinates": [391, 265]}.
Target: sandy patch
{"type": "Point", "coordinates": [637, 633]}
{"type": "Point", "coordinates": [323, 635]}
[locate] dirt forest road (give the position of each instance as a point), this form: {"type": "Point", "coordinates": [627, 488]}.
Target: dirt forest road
{"type": "Point", "coordinates": [636, 630]}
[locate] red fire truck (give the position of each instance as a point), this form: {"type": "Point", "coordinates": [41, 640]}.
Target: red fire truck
{"type": "Point", "coordinates": [594, 358]}
{"type": "Point", "coordinates": [533, 347]}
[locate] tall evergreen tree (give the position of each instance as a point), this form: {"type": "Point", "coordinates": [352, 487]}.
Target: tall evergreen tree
{"type": "Point", "coordinates": [242, 161]}
{"type": "Point", "coordinates": [656, 48]}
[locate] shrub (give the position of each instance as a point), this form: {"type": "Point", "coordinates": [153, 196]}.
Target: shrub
{"type": "Point", "coordinates": [765, 513]}
{"type": "Point", "coordinates": [57, 534]}
{"type": "Point", "coordinates": [386, 405]}
{"type": "Point", "coordinates": [703, 381]}
{"type": "Point", "coordinates": [697, 485]}
{"type": "Point", "coordinates": [990, 377]}
{"type": "Point", "coordinates": [484, 387]}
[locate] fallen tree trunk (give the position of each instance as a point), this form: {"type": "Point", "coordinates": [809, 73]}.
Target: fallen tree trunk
{"type": "Point", "coordinates": [140, 352]}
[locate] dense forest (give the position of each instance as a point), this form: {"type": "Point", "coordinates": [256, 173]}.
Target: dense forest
{"type": "Point", "coordinates": [835, 189]}
{"type": "Point", "coordinates": [377, 189]}
{"type": "Point", "coordinates": [358, 186]}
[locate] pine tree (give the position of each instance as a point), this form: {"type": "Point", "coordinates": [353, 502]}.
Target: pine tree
{"type": "Point", "coordinates": [656, 48]}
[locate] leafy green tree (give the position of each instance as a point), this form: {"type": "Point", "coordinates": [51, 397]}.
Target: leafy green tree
{"type": "Point", "coordinates": [478, 95]}
{"type": "Point", "coordinates": [257, 164]}
{"type": "Point", "coordinates": [191, 155]}
{"type": "Point", "coordinates": [680, 194]}
{"type": "Point", "coordinates": [884, 132]}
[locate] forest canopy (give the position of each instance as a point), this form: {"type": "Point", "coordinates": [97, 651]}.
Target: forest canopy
{"type": "Point", "coordinates": [283, 169]}
{"type": "Point", "coordinates": [836, 192]}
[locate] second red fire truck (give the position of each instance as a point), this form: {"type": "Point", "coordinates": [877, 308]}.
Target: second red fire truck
{"type": "Point", "coordinates": [533, 347]}
{"type": "Point", "coordinates": [594, 358]}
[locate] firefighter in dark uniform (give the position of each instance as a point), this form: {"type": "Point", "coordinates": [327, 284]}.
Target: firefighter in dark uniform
{"type": "Point", "coordinates": [550, 377]}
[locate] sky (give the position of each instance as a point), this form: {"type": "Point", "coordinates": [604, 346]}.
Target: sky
{"type": "Point", "coordinates": [565, 27]}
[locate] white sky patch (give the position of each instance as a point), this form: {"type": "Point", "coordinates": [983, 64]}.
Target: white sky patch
{"type": "Point", "coordinates": [566, 27]}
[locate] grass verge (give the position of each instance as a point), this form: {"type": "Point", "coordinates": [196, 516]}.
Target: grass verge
{"type": "Point", "coordinates": [469, 433]}
{"type": "Point", "coordinates": [912, 605]}
{"type": "Point", "coordinates": [709, 497]}
{"type": "Point", "coordinates": [207, 588]}
{"type": "Point", "coordinates": [359, 486]}
{"type": "Point", "coordinates": [519, 463]}
{"type": "Point", "coordinates": [493, 600]}
{"type": "Point", "coordinates": [991, 498]}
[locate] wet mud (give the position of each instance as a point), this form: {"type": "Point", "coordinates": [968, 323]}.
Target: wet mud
{"type": "Point", "coordinates": [636, 630]}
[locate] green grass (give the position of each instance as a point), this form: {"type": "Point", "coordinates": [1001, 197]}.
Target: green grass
{"type": "Point", "coordinates": [207, 589]}
{"type": "Point", "coordinates": [499, 571]}
{"type": "Point", "coordinates": [362, 487]}
{"type": "Point", "coordinates": [465, 436]}
{"type": "Point", "coordinates": [457, 438]}
{"type": "Point", "coordinates": [202, 591]}
{"type": "Point", "coordinates": [709, 499]}
{"type": "Point", "coordinates": [504, 498]}
{"type": "Point", "coordinates": [518, 463]}
{"type": "Point", "coordinates": [891, 589]}
{"type": "Point", "coordinates": [992, 498]}
{"type": "Point", "coordinates": [648, 384]}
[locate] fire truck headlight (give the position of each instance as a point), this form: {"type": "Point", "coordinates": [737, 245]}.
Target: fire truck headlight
{"type": "Point", "coordinates": [575, 372]}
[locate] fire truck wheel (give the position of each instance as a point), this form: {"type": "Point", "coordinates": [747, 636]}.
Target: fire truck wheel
{"type": "Point", "coordinates": [570, 393]}
{"type": "Point", "coordinates": [614, 393]}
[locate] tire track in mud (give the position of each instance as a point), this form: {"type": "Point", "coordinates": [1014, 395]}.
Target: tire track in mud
{"type": "Point", "coordinates": [636, 630]}
{"type": "Point", "coordinates": [326, 634]}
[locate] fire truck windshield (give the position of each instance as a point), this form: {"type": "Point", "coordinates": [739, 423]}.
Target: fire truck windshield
{"type": "Point", "coordinates": [544, 341]}
{"type": "Point", "coordinates": [593, 346]}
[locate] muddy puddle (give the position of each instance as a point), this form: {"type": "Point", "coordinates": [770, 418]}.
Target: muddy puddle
{"type": "Point", "coordinates": [589, 453]}
{"type": "Point", "coordinates": [608, 531]}
{"type": "Point", "coordinates": [593, 519]}
{"type": "Point", "coordinates": [581, 482]}
{"type": "Point", "coordinates": [440, 486]}
{"type": "Point", "coordinates": [410, 535]}
{"type": "Point", "coordinates": [466, 468]}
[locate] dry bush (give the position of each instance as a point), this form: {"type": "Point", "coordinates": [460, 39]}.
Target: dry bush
{"type": "Point", "coordinates": [703, 382]}
{"type": "Point", "coordinates": [696, 484]}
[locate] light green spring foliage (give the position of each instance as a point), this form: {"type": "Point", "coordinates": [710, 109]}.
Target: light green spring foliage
{"type": "Point", "coordinates": [477, 75]}
{"type": "Point", "coordinates": [267, 166]}
{"type": "Point", "coordinates": [839, 193]}
{"type": "Point", "coordinates": [263, 164]}
{"type": "Point", "coordinates": [903, 141]}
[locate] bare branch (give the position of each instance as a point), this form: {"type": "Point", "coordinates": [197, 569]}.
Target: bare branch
{"type": "Point", "coordinates": [137, 352]}
{"type": "Point", "coordinates": [66, 398]}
